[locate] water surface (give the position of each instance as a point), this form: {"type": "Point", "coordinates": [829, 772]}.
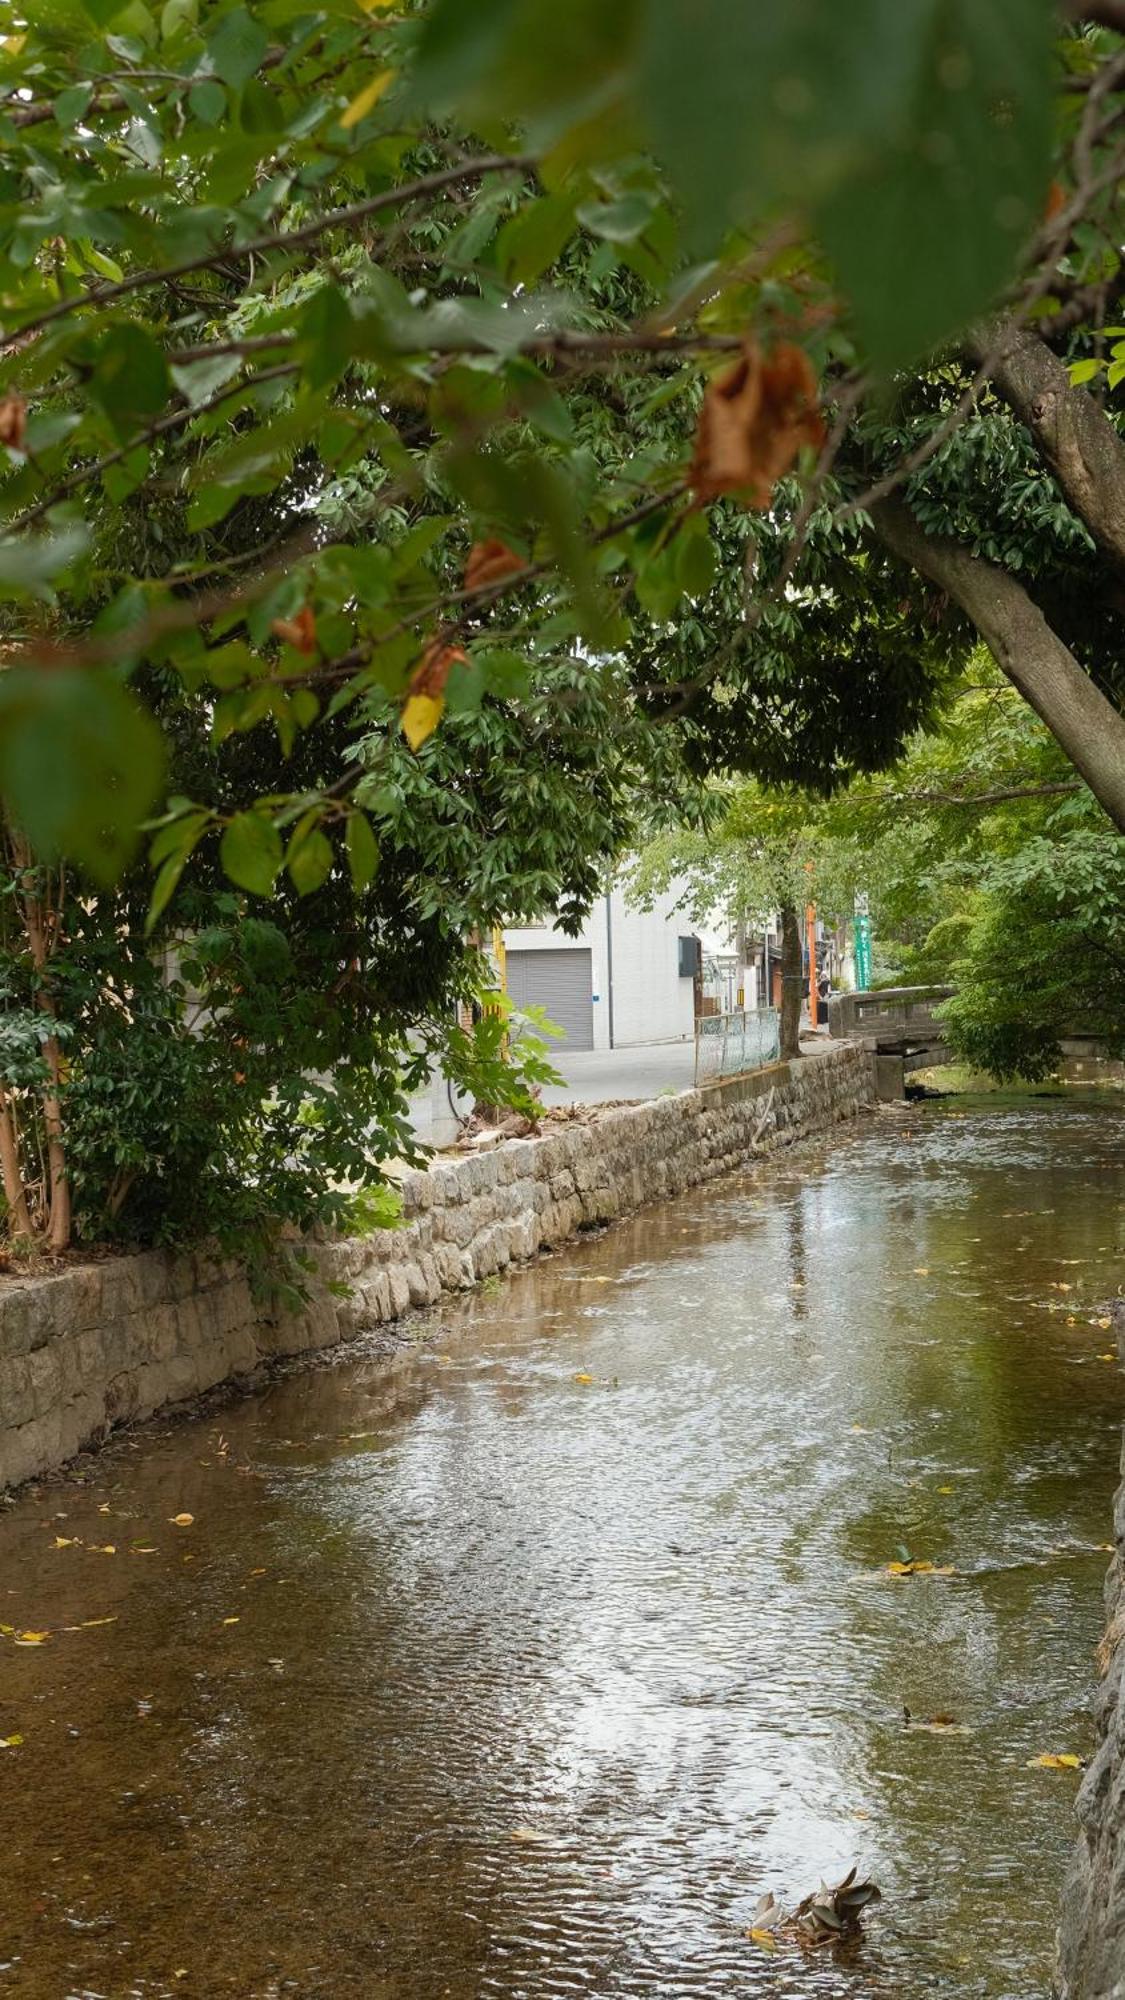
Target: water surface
{"type": "Point", "coordinates": [521, 1668]}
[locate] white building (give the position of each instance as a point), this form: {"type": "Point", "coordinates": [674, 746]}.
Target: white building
{"type": "Point", "coordinates": [628, 978]}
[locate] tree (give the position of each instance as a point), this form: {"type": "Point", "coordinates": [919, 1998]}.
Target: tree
{"type": "Point", "coordinates": [751, 854]}
{"type": "Point", "coordinates": [433, 398]}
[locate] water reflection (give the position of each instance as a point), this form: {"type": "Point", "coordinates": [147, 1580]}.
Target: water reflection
{"type": "Point", "coordinates": [536, 1683]}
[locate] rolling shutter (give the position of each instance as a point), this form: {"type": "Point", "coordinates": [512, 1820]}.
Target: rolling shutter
{"type": "Point", "coordinates": [561, 982]}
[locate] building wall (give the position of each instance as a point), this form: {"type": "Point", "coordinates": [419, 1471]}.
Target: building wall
{"type": "Point", "coordinates": [650, 1002]}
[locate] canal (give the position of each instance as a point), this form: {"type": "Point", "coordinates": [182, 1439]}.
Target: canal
{"type": "Point", "coordinates": [521, 1666]}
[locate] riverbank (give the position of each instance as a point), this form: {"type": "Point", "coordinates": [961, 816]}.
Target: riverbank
{"type": "Point", "coordinates": [1091, 1959]}
{"type": "Point", "coordinates": [98, 1345]}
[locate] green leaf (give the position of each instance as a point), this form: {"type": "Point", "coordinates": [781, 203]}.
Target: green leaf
{"type": "Point", "coordinates": [81, 765]}
{"type": "Point", "coordinates": [1083, 371]}
{"type": "Point", "coordinates": [163, 889]}
{"type": "Point", "coordinates": [130, 379]}
{"type": "Point", "coordinates": [237, 47]}
{"type": "Point", "coordinates": [250, 852]}
{"type": "Point", "coordinates": [363, 851]}
{"type": "Point", "coordinates": [930, 232]}
{"type": "Point", "coordinates": [309, 859]}
{"type": "Point", "coordinates": [207, 101]}
{"type": "Point", "coordinates": [620, 221]}
{"type": "Point", "coordinates": [72, 104]}
{"type": "Point", "coordinates": [535, 237]}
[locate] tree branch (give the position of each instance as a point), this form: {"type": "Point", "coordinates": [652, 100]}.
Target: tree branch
{"type": "Point", "coordinates": [995, 798]}
{"type": "Point", "coordinates": [1082, 721]}
{"type": "Point", "coordinates": [275, 239]}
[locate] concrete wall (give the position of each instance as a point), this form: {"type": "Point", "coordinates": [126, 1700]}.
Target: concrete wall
{"type": "Point", "coordinates": [1091, 1959]}
{"type": "Point", "coordinates": [108, 1342]}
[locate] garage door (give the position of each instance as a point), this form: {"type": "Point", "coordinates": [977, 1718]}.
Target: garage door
{"type": "Point", "coordinates": [561, 982]}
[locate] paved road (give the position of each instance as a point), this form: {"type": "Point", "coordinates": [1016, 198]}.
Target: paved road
{"type": "Point", "coordinates": [595, 1076]}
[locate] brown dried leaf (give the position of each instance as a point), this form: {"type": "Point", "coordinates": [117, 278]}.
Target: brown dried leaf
{"type": "Point", "coordinates": [13, 422]}
{"type": "Point", "coordinates": [754, 420]}
{"type": "Point", "coordinates": [490, 562]}
{"type": "Point", "coordinates": [298, 632]}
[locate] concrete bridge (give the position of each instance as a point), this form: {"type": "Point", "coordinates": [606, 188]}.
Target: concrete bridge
{"type": "Point", "coordinates": [899, 1025]}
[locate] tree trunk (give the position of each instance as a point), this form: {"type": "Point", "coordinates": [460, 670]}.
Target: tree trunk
{"type": "Point", "coordinates": [792, 982]}
{"type": "Point", "coordinates": [15, 1194]}
{"type": "Point", "coordinates": [40, 940]}
{"type": "Point", "coordinates": [1082, 721]}
{"type": "Point", "coordinates": [1081, 446]}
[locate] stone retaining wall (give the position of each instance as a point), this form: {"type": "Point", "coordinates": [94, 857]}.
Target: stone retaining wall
{"type": "Point", "coordinates": [1091, 1958]}
{"type": "Point", "coordinates": [104, 1343]}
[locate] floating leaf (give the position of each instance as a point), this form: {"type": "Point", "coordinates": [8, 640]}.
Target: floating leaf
{"type": "Point", "coordinates": [31, 1638]}
{"type": "Point", "coordinates": [181, 1520]}
{"type": "Point", "coordinates": [765, 1939]}
{"type": "Point", "coordinates": [1050, 1760]}
{"type": "Point", "coordinates": [10, 1742]}
{"type": "Point", "coordinates": [231, 1621]}
{"type": "Point", "coordinates": [585, 1379]}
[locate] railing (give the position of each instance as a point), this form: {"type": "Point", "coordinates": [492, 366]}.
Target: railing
{"type": "Point", "coordinates": [728, 1044]}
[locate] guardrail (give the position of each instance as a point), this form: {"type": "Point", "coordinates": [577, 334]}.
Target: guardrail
{"type": "Point", "coordinates": [729, 1044]}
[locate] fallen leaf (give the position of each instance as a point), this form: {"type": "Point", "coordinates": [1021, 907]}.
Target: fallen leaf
{"type": "Point", "coordinates": [146, 1549]}
{"type": "Point", "coordinates": [31, 1638]}
{"type": "Point", "coordinates": [765, 1939]}
{"type": "Point", "coordinates": [921, 1270]}
{"type": "Point", "coordinates": [756, 416]}
{"type": "Point", "coordinates": [583, 1378]}
{"type": "Point", "coordinates": [490, 562]}
{"type": "Point", "coordinates": [920, 1569]}
{"type": "Point", "coordinates": [1105, 1323]}
{"type": "Point", "coordinates": [181, 1520]}
{"type": "Point", "coordinates": [65, 1541]}
{"type": "Point", "coordinates": [88, 1624]}
{"type": "Point", "coordinates": [102, 1548]}
{"type": "Point", "coordinates": [945, 1489]}
{"type": "Point", "coordinates": [231, 1621]}
{"type": "Point", "coordinates": [939, 1725]}
{"type": "Point", "coordinates": [1107, 1357]}
{"type": "Point", "coordinates": [10, 1742]}
{"type": "Point", "coordinates": [1049, 1760]}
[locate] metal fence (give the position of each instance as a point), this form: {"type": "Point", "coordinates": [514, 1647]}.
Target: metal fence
{"type": "Point", "coordinates": [728, 1044]}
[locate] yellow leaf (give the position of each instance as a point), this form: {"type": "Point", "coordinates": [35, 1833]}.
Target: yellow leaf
{"type": "Point", "coordinates": [368, 96]}
{"type": "Point", "coordinates": [146, 1550]}
{"type": "Point", "coordinates": [420, 717]}
{"type": "Point", "coordinates": [104, 1508]}
{"type": "Point", "coordinates": [1105, 1322]}
{"type": "Point", "coordinates": [1050, 1761]}
{"type": "Point", "coordinates": [31, 1638]}
{"type": "Point", "coordinates": [181, 1520]}
{"type": "Point", "coordinates": [1107, 1357]}
{"type": "Point", "coordinates": [88, 1623]}
{"type": "Point", "coordinates": [103, 1548]}
{"type": "Point", "coordinates": [765, 1939]}
{"type": "Point", "coordinates": [584, 1378]}
{"type": "Point", "coordinates": [64, 1541]}
{"type": "Point", "coordinates": [9, 1742]}
{"type": "Point", "coordinates": [945, 1489]}
{"type": "Point", "coordinates": [231, 1621]}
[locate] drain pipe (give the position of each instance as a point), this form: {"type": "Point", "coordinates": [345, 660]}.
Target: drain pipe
{"type": "Point", "coordinates": [609, 963]}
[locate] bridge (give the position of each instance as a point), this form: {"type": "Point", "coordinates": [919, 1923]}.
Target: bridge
{"type": "Point", "coordinates": [899, 1025]}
